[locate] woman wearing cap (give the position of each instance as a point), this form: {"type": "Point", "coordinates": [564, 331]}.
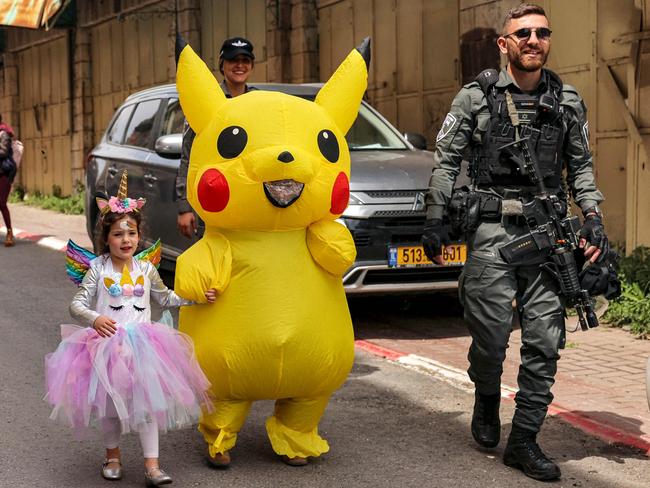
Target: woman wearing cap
{"type": "Point", "coordinates": [236, 63]}
{"type": "Point", "coordinates": [8, 170]}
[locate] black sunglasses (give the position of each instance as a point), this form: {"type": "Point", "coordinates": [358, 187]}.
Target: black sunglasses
{"type": "Point", "coordinates": [543, 33]}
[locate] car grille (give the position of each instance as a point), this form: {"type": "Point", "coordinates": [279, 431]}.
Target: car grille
{"type": "Point", "coordinates": [405, 238]}
{"type": "Point", "coordinates": [406, 275]}
{"type": "Point", "coordinates": [410, 221]}
{"type": "Point", "coordinates": [379, 232]}
{"type": "Point", "coordinates": [398, 213]}
{"type": "Point", "coordinates": [392, 193]}
{"type": "Point", "coordinates": [362, 239]}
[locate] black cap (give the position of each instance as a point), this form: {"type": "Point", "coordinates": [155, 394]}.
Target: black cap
{"type": "Point", "coordinates": [234, 46]}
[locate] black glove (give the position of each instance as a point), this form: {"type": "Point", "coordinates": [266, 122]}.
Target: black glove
{"type": "Point", "coordinates": [593, 232]}
{"type": "Point", "coordinates": [434, 237]}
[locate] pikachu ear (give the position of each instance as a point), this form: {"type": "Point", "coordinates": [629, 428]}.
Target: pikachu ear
{"type": "Point", "coordinates": [342, 94]}
{"type": "Point", "coordinates": [198, 90]}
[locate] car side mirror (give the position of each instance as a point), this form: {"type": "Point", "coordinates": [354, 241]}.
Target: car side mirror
{"type": "Point", "coordinates": [418, 141]}
{"type": "Point", "coordinates": [169, 146]}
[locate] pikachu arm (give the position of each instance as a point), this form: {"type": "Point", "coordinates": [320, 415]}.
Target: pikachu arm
{"type": "Point", "coordinates": [331, 245]}
{"type": "Point", "coordinates": [207, 264]}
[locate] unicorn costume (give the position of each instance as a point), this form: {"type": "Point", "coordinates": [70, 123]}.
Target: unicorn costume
{"type": "Point", "coordinates": [146, 372]}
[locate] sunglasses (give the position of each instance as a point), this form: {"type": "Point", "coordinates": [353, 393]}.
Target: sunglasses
{"type": "Point", "coordinates": [523, 34]}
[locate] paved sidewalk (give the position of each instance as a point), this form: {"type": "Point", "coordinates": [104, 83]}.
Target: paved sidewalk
{"type": "Point", "coordinates": [600, 383]}
{"type": "Point", "coordinates": [36, 223]}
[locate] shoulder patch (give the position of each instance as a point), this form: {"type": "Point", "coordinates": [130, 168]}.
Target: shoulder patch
{"type": "Point", "coordinates": [487, 78]}
{"type": "Point", "coordinates": [447, 125]}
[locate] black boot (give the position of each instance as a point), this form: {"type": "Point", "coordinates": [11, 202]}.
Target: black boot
{"type": "Point", "coordinates": [486, 427]}
{"type": "Point", "coordinates": [523, 452]}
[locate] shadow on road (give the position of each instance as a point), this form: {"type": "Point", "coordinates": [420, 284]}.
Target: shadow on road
{"type": "Point", "coordinates": [433, 316]}
{"type": "Point", "coordinates": [630, 425]}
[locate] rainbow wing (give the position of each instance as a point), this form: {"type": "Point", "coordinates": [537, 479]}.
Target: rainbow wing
{"type": "Point", "coordinates": [77, 261]}
{"type": "Point", "coordinates": [151, 254]}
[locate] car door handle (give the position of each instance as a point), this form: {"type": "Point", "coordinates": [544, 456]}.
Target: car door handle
{"type": "Point", "coordinates": [149, 178]}
{"type": "Point", "coordinates": [112, 170]}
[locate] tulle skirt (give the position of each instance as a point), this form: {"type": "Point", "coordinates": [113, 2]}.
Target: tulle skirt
{"type": "Point", "coordinates": [147, 371]}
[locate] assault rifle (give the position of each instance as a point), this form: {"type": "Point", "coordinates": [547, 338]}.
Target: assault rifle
{"type": "Point", "coordinates": [551, 234]}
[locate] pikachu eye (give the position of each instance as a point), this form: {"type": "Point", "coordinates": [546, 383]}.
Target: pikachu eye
{"type": "Point", "coordinates": [328, 145]}
{"type": "Point", "coordinates": [231, 142]}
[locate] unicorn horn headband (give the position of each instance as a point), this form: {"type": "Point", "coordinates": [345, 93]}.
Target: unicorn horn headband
{"type": "Point", "coordinates": [120, 203]}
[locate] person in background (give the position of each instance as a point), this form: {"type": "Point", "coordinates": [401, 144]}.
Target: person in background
{"type": "Point", "coordinates": [236, 63]}
{"type": "Point", "coordinates": [8, 170]}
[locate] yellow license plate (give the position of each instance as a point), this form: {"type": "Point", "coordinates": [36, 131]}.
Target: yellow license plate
{"type": "Point", "coordinates": [454, 254]}
{"type": "Point", "coordinates": [406, 256]}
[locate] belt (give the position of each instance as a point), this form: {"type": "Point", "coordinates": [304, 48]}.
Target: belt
{"type": "Point", "coordinates": [493, 207]}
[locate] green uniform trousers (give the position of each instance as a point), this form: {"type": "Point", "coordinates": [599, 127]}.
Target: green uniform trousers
{"type": "Point", "coordinates": [488, 287]}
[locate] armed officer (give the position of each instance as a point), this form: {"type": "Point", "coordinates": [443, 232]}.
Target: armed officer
{"type": "Point", "coordinates": [480, 123]}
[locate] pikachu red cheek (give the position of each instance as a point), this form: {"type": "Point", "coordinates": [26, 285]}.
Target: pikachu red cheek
{"type": "Point", "coordinates": [213, 191]}
{"type": "Point", "coordinates": [340, 194]}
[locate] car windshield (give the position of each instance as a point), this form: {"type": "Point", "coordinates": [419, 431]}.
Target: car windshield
{"type": "Point", "coordinates": [371, 132]}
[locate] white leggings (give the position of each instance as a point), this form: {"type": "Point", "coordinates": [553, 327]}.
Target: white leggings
{"type": "Point", "coordinates": [112, 429]}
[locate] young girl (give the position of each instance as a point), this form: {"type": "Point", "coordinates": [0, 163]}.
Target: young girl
{"type": "Point", "coordinates": [125, 372]}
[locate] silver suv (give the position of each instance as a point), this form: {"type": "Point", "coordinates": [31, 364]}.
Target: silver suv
{"type": "Point", "coordinates": [385, 215]}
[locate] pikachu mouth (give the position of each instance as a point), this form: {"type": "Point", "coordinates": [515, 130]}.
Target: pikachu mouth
{"type": "Point", "coordinates": [282, 193]}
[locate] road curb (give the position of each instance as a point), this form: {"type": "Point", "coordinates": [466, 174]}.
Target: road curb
{"type": "Point", "coordinates": [42, 240]}
{"type": "Point", "coordinates": [460, 379]}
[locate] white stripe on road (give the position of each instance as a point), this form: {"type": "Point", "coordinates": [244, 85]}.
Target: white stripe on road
{"type": "Point", "coordinates": [454, 376]}
{"type": "Point", "coordinates": [52, 243]}
{"type": "Point", "coordinates": [48, 241]}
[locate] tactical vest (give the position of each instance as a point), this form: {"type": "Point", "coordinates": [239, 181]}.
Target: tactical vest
{"type": "Point", "coordinates": [542, 121]}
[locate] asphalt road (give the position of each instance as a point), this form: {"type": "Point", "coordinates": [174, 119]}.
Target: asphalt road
{"type": "Point", "coordinates": [387, 427]}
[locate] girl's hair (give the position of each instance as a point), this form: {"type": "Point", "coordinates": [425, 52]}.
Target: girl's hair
{"type": "Point", "coordinates": [105, 223]}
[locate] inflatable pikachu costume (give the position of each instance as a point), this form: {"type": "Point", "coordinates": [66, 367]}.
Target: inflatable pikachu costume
{"type": "Point", "coordinates": [269, 175]}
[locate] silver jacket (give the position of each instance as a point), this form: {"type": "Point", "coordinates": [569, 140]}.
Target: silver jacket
{"type": "Point", "coordinates": [124, 296]}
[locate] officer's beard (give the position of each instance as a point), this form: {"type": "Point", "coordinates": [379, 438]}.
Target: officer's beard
{"type": "Point", "coordinates": [519, 60]}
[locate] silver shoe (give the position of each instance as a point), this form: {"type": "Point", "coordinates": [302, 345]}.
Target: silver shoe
{"type": "Point", "coordinates": [156, 477]}
{"type": "Point", "coordinates": [112, 473]}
